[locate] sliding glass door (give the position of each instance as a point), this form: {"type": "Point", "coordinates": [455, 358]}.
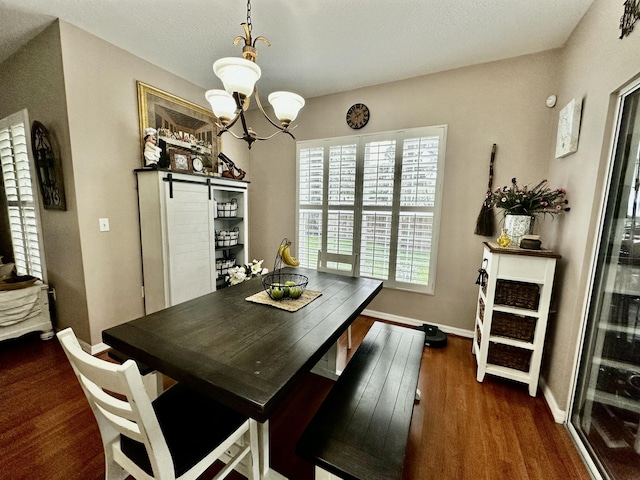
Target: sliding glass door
{"type": "Point", "coordinates": [606, 407]}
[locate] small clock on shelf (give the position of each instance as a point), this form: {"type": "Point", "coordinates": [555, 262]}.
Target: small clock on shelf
{"type": "Point", "coordinates": [358, 115]}
{"type": "Point", "coordinates": [198, 165]}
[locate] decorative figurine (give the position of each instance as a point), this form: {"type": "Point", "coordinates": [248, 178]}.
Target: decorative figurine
{"type": "Point", "coordinates": [504, 240]}
{"type": "Point", "coordinates": [229, 172]}
{"type": "Point", "coordinates": [151, 150]}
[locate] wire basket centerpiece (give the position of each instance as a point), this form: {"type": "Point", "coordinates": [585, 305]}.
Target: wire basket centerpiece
{"type": "Point", "coordinates": [281, 285]}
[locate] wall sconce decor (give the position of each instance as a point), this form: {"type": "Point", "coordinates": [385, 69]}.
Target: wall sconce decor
{"type": "Point", "coordinates": [49, 168]}
{"type": "Point", "coordinates": [630, 17]}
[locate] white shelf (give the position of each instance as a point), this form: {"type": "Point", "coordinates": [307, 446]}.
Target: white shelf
{"type": "Point", "coordinates": [516, 311]}
{"type": "Point", "coordinates": [510, 373]}
{"type": "Point", "coordinates": [516, 265]}
{"type": "Point", "coordinates": [178, 234]}
{"type": "Point", "coordinates": [512, 342]}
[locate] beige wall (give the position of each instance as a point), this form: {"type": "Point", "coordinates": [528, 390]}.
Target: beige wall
{"type": "Point", "coordinates": [594, 65]}
{"type": "Point", "coordinates": [84, 90]}
{"type": "Point", "coordinates": [33, 78]}
{"type": "Point", "coordinates": [98, 275]}
{"type": "Point", "coordinates": [501, 102]}
{"type": "Point", "coordinates": [100, 82]}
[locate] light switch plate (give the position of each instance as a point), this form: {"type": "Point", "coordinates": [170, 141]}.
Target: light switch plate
{"type": "Point", "coordinates": [104, 224]}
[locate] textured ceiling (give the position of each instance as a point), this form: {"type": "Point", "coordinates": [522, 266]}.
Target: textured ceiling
{"type": "Point", "coordinates": [318, 46]}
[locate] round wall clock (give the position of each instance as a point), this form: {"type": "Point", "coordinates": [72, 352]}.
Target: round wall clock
{"type": "Point", "coordinates": [358, 115]}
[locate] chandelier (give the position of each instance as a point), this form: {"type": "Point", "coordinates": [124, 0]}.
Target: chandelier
{"type": "Point", "coordinates": [239, 77]}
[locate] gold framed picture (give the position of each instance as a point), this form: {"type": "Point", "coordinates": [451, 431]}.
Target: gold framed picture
{"type": "Point", "coordinates": [178, 122]}
{"type": "Point", "coordinates": [180, 160]}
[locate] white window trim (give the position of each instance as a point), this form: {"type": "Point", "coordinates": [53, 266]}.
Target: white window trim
{"type": "Point", "coordinates": [361, 140]}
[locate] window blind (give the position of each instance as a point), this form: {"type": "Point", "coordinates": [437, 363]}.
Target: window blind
{"type": "Point", "coordinates": [20, 195]}
{"type": "Point", "coordinates": [375, 195]}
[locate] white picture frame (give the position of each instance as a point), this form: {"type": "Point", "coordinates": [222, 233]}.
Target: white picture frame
{"type": "Point", "coordinates": [569, 128]}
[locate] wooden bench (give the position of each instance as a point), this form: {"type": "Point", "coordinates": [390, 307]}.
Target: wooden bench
{"type": "Point", "coordinates": [360, 431]}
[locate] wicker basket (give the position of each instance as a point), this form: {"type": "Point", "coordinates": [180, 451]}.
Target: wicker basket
{"type": "Point", "coordinates": [228, 209]}
{"type": "Point", "coordinates": [481, 309]}
{"type": "Point", "coordinates": [517, 294]}
{"type": "Point", "coordinates": [227, 238]}
{"type": "Point", "coordinates": [518, 327]}
{"type": "Point", "coordinates": [509, 356]}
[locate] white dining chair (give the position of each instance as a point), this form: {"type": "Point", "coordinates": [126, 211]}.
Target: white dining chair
{"type": "Point", "coordinates": [341, 264]}
{"type": "Point", "coordinates": [175, 437]}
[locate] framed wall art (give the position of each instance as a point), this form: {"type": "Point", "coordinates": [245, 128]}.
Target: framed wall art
{"type": "Point", "coordinates": [569, 128]}
{"type": "Point", "coordinates": [179, 124]}
{"type": "Point", "coordinates": [180, 160]}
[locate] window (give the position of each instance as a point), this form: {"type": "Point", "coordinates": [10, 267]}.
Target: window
{"type": "Point", "coordinates": [21, 196]}
{"type": "Point", "coordinates": [376, 195]}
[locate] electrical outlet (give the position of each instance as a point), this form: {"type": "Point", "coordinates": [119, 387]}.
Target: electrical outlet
{"type": "Point", "coordinates": [104, 224]}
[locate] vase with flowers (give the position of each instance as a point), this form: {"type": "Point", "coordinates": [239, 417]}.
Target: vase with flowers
{"type": "Point", "coordinates": [521, 205]}
{"type": "Point", "coordinates": [239, 274]}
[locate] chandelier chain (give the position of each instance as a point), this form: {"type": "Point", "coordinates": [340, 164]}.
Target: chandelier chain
{"type": "Point", "coordinates": [239, 77]}
{"type": "Point", "coordinates": [249, 14]}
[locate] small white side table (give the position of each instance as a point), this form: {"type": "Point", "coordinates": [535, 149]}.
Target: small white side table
{"type": "Point", "coordinates": [512, 313]}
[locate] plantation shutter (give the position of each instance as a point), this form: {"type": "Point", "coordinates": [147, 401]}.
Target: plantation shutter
{"type": "Point", "coordinates": [417, 204]}
{"type": "Point", "coordinates": [377, 202]}
{"type": "Point", "coordinates": [22, 206]}
{"type": "Point", "coordinates": [379, 197]}
{"type": "Point", "coordinates": [310, 200]}
{"type": "Point", "coordinates": [341, 186]}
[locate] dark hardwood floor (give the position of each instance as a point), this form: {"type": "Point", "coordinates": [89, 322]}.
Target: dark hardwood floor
{"type": "Point", "coordinates": [461, 429]}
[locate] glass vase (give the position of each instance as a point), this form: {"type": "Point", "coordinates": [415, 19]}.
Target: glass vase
{"type": "Point", "coordinates": [504, 240]}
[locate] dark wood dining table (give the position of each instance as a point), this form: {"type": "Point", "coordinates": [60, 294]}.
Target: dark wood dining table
{"type": "Point", "coordinates": [245, 355]}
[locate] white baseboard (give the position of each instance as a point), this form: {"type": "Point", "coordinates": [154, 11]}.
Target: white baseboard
{"type": "Point", "coordinates": [93, 349]}
{"type": "Point", "coordinates": [417, 323]}
{"type": "Point", "coordinates": [99, 348]}
{"type": "Point", "coordinates": [559, 415]}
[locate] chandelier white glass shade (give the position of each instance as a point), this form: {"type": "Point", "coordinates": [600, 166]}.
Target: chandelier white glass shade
{"type": "Point", "coordinates": [222, 104]}
{"type": "Point", "coordinates": [239, 77]}
{"type": "Point", "coordinates": [286, 105]}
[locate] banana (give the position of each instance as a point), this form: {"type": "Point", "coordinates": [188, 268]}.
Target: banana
{"type": "Point", "coordinates": [287, 258]}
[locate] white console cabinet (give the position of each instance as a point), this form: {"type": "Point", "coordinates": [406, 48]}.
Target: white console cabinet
{"type": "Point", "coordinates": [25, 310]}
{"type": "Point", "coordinates": [512, 312]}
{"type": "Point", "coordinates": [178, 224]}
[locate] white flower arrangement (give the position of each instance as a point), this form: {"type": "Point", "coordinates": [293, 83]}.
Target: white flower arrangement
{"type": "Point", "coordinates": [240, 274]}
